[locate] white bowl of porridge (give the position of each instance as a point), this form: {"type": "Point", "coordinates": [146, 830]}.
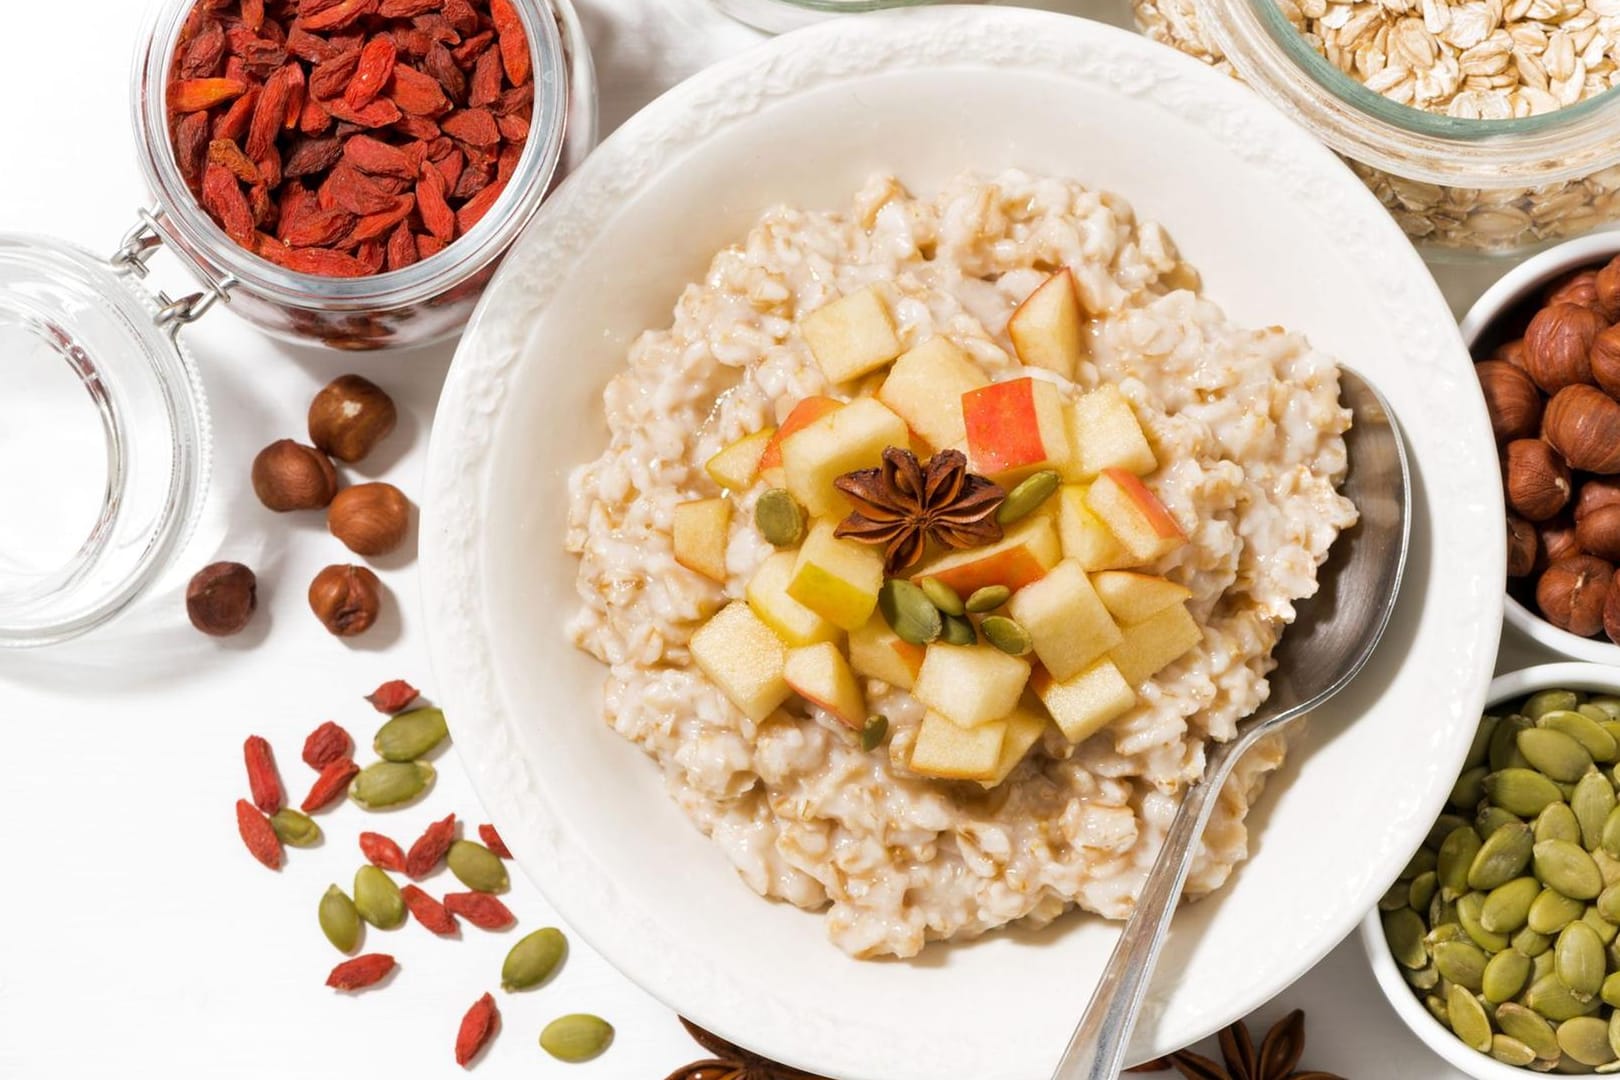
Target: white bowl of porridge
{"type": "Point", "coordinates": [946, 304]}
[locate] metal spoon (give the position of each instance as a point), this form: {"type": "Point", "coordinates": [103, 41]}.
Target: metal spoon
{"type": "Point", "coordinates": [1329, 642]}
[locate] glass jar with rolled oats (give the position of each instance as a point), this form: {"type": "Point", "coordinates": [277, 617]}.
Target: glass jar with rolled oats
{"type": "Point", "coordinates": [1485, 126]}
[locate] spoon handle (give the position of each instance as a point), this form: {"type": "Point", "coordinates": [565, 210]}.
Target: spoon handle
{"type": "Point", "coordinates": [1096, 1051]}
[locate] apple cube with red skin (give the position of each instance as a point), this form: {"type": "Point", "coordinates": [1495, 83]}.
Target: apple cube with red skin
{"type": "Point", "coordinates": [949, 752]}
{"type": "Point", "coordinates": [1023, 555]}
{"type": "Point", "coordinates": [837, 579]}
{"type": "Point", "coordinates": [800, 417]}
{"type": "Point", "coordinates": [736, 466]}
{"type": "Point", "coordinates": [1015, 428]}
{"type": "Point", "coordinates": [1132, 598]}
{"type": "Point", "coordinates": [877, 652]}
{"type": "Point", "coordinates": [842, 441]}
{"type": "Point", "coordinates": [1134, 515]}
{"type": "Point", "coordinates": [1086, 703]}
{"type": "Point", "coordinates": [744, 658]}
{"type": "Point", "coordinates": [1155, 643]}
{"type": "Point", "coordinates": [852, 335]}
{"type": "Point", "coordinates": [702, 529]}
{"type": "Point", "coordinates": [1085, 538]}
{"type": "Point", "coordinates": [1105, 434]}
{"type": "Point", "coordinates": [768, 597]}
{"type": "Point", "coordinates": [1025, 726]}
{"type": "Point", "coordinates": [820, 674]}
{"type": "Point", "coordinates": [970, 685]}
{"type": "Point", "coordinates": [1048, 329]}
{"type": "Point", "coordinates": [925, 388]}
{"type": "Point", "coordinates": [1066, 620]}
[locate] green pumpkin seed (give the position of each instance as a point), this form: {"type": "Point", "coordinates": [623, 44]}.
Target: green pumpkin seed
{"type": "Point", "coordinates": [1396, 896]}
{"type": "Point", "coordinates": [1437, 1009]}
{"type": "Point", "coordinates": [1490, 818]}
{"type": "Point", "coordinates": [779, 518]}
{"type": "Point", "coordinates": [340, 922]}
{"type": "Point", "coordinates": [1552, 999]}
{"type": "Point", "coordinates": [1610, 993]}
{"type": "Point", "coordinates": [942, 596]}
{"type": "Point", "coordinates": [1568, 868]}
{"type": "Point", "coordinates": [1557, 822]}
{"type": "Point", "coordinates": [1442, 828]}
{"type": "Point", "coordinates": [1479, 750]}
{"type": "Point", "coordinates": [1421, 862]}
{"type": "Point", "coordinates": [1609, 838]}
{"type": "Point", "coordinates": [1608, 704]}
{"type": "Point", "coordinates": [1424, 978]}
{"type": "Point", "coordinates": [295, 829]}
{"type": "Point", "coordinates": [390, 783]}
{"type": "Point", "coordinates": [1608, 866]}
{"type": "Point", "coordinates": [1505, 975]}
{"type": "Point", "coordinates": [1468, 1019]}
{"type": "Point", "coordinates": [1592, 804]}
{"type": "Point", "coordinates": [1586, 730]}
{"type": "Point", "coordinates": [1462, 963]}
{"type": "Point", "coordinates": [1469, 788]}
{"type": "Point", "coordinates": [987, 599]}
{"type": "Point", "coordinates": [1614, 1039]}
{"type": "Point", "coordinates": [1521, 1023]}
{"type": "Point", "coordinates": [1592, 712]}
{"type": "Point", "coordinates": [1530, 943]}
{"type": "Point", "coordinates": [1524, 792]}
{"type": "Point", "coordinates": [874, 732]}
{"type": "Point", "coordinates": [1507, 906]}
{"type": "Point", "coordinates": [477, 867]}
{"type": "Point", "coordinates": [1468, 912]}
{"type": "Point", "coordinates": [958, 631]}
{"type": "Point", "coordinates": [1443, 913]}
{"type": "Point", "coordinates": [1403, 929]}
{"type": "Point", "coordinates": [1552, 911]}
{"type": "Point", "coordinates": [1028, 496]}
{"type": "Point", "coordinates": [1541, 967]}
{"type": "Point", "coordinates": [1421, 891]}
{"type": "Point", "coordinates": [1007, 635]}
{"type": "Point", "coordinates": [1579, 959]}
{"type": "Point", "coordinates": [1456, 855]}
{"type": "Point", "coordinates": [1502, 857]}
{"type": "Point", "coordinates": [533, 959]}
{"type": "Point", "coordinates": [377, 898]}
{"type": "Point", "coordinates": [909, 612]}
{"type": "Point", "coordinates": [1546, 701]}
{"type": "Point", "coordinates": [410, 735]}
{"type": "Point", "coordinates": [1586, 1039]}
{"type": "Point", "coordinates": [1608, 903]}
{"type": "Point", "coordinates": [1555, 754]}
{"type": "Point", "coordinates": [1511, 1051]}
{"type": "Point", "coordinates": [1504, 751]}
{"type": "Point", "coordinates": [576, 1038]}
{"type": "Point", "coordinates": [1605, 930]}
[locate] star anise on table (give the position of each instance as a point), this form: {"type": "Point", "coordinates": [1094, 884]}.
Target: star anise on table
{"type": "Point", "coordinates": [1276, 1058]}
{"type": "Point", "coordinates": [903, 504]}
{"type": "Point", "coordinates": [732, 1062]}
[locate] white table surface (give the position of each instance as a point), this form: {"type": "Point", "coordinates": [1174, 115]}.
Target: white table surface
{"type": "Point", "coordinates": [136, 936]}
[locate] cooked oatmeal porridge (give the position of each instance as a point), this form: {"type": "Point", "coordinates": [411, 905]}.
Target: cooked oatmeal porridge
{"type": "Point", "coordinates": [1237, 433]}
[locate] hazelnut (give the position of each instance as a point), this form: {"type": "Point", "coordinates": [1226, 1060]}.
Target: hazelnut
{"type": "Point", "coordinates": [349, 417]}
{"type": "Point", "coordinates": [1572, 592]}
{"type": "Point", "coordinates": [1537, 479]}
{"type": "Point", "coordinates": [1598, 532]}
{"type": "Point", "coordinates": [1512, 352]}
{"type": "Point", "coordinates": [1522, 546]}
{"type": "Point", "coordinates": [370, 519]}
{"type": "Point", "coordinates": [1611, 613]}
{"type": "Point", "coordinates": [346, 599]}
{"type": "Point", "coordinates": [1556, 344]}
{"type": "Point", "coordinates": [1513, 400]}
{"type": "Point", "coordinates": [1596, 493]}
{"type": "Point", "coordinates": [1604, 359]}
{"type": "Point", "coordinates": [1583, 424]}
{"type": "Point", "coordinates": [1555, 540]}
{"type": "Point", "coordinates": [220, 598]}
{"type": "Point", "coordinates": [1608, 288]}
{"type": "Point", "coordinates": [291, 476]}
{"type": "Point", "coordinates": [1579, 288]}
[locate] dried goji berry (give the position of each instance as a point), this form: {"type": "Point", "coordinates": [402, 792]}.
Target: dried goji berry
{"type": "Point", "coordinates": [361, 972]}
{"type": "Point", "coordinates": [376, 114]}
{"type": "Point", "coordinates": [514, 128]}
{"type": "Point", "coordinates": [400, 251]}
{"type": "Point", "coordinates": [269, 114]}
{"type": "Point", "coordinates": [226, 153]}
{"type": "Point", "coordinates": [297, 92]}
{"type": "Point", "coordinates": [206, 50]}
{"type": "Point", "coordinates": [475, 127]}
{"type": "Point", "coordinates": [471, 48]}
{"type": "Point", "coordinates": [314, 119]}
{"type": "Point", "coordinates": [429, 246]}
{"type": "Point", "coordinates": [382, 852]}
{"type": "Point", "coordinates": [321, 228]}
{"type": "Point", "coordinates": [477, 1028]}
{"type": "Point", "coordinates": [329, 78]}
{"type": "Point", "coordinates": [474, 209]}
{"type": "Point", "coordinates": [437, 217]}
{"type": "Point", "coordinates": [310, 156]}
{"type": "Point", "coordinates": [252, 14]}
{"type": "Point", "coordinates": [334, 779]}
{"type": "Point", "coordinates": [375, 156]}
{"type": "Point", "coordinates": [370, 255]}
{"type": "Point", "coordinates": [428, 911]}
{"type": "Point", "coordinates": [438, 63]}
{"type": "Point", "coordinates": [222, 197]}
{"type": "Point", "coordinates": [379, 225]}
{"type": "Point", "coordinates": [191, 147]}
{"type": "Point", "coordinates": [233, 123]}
{"type": "Point", "coordinates": [418, 94]}
{"type": "Point", "coordinates": [308, 47]}
{"type": "Point", "coordinates": [344, 13]}
{"type": "Point", "coordinates": [194, 95]}
{"type": "Point", "coordinates": [487, 79]}
{"type": "Point", "coordinates": [392, 696]}
{"type": "Point", "coordinates": [371, 74]}
{"type": "Point", "coordinates": [354, 191]}
{"type": "Point", "coordinates": [460, 15]}
{"type": "Point", "coordinates": [329, 742]}
{"type": "Point", "coordinates": [262, 779]}
{"type": "Point", "coordinates": [514, 43]}
{"type": "Point", "coordinates": [257, 833]}
{"type": "Point", "coordinates": [407, 9]}
{"type": "Point", "coordinates": [493, 841]}
{"type": "Point", "coordinates": [430, 847]}
{"type": "Point", "coordinates": [481, 909]}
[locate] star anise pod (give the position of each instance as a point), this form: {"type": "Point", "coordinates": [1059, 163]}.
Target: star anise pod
{"type": "Point", "coordinates": [1276, 1058]}
{"type": "Point", "coordinates": [904, 504]}
{"type": "Point", "coordinates": [732, 1062]}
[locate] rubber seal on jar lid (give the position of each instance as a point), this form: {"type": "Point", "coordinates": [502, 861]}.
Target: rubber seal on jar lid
{"type": "Point", "coordinates": [104, 441]}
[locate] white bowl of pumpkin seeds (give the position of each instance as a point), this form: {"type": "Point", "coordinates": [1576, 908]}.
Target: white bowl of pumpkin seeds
{"type": "Point", "coordinates": [1499, 946]}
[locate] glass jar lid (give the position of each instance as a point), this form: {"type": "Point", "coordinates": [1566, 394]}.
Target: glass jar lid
{"type": "Point", "coordinates": [104, 439]}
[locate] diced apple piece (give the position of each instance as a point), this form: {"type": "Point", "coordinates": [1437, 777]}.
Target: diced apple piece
{"type": "Point", "coordinates": [1134, 515]}
{"type": "Point", "coordinates": [877, 652]}
{"type": "Point", "coordinates": [800, 417]}
{"type": "Point", "coordinates": [1086, 539]}
{"type": "Point", "coordinates": [1105, 434]}
{"type": "Point", "coordinates": [735, 467]}
{"type": "Point", "coordinates": [852, 335]}
{"type": "Point", "coordinates": [1022, 556]}
{"type": "Point", "coordinates": [1131, 597]}
{"type": "Point", "coordinates": [925, 389]}
{"type": "Point", "coordinates": [821, 675]}
{"type": "Point", "coordinates": [794, 623]}
{"type": "Point", "coordinates": [1024, 728]}
{"type": "Point", "coordinates": [1087, 703]}
{"type": "Point", "coordinates": [1155, 643]}
{"type": "Point", "coordinates": [702, 529]}
{"type": "Point", "coordinates": [953, 753]}
{"type": "Point", "coordinates": [744, 658]}
{"type": "Point", "coordinates": [970, 684]}
{"type": "Point", "coordinates": [846, 439]}
{"type": "Point", "coordinates": [837, 579]}
{"type": "Point", "coordinates": [1048, 330]}
{"type": "Point", "coordinates": [1066, 619]}
{"type": "Point", "coordinates": [1015, 428]}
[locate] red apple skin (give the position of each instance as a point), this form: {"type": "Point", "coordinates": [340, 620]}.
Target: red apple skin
{"type": "Point", "coordinates": [910, 655]}
{"type": "Point", "coordinates": [1014, 568]}
{"type": "Point", "coordinates": [1003, 432]}
{"type": "Point", "coordinates": [803, 415]}
{"type": "Point", "coordinates": [1152, 509]}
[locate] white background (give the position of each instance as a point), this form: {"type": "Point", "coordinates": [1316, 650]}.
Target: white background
{"type": "Point", "coordinates": [137, 938]}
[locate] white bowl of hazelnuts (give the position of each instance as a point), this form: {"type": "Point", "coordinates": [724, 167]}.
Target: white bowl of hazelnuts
{"type": "Point", "coordinates": [1546, 345]}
